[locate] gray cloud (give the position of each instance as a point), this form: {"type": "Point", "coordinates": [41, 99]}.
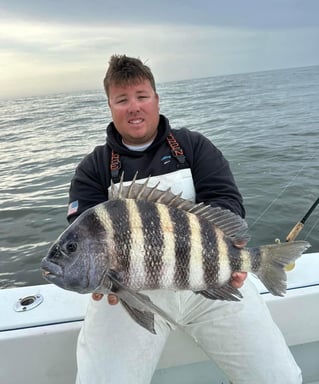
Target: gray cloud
{"type": "Point", "coordinates": [69, 43]}
{"type": "Point", "coordinates": [228, 13]}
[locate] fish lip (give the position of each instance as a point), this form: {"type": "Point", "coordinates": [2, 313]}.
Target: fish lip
{"type": "Point", "coordinates": [48, 275]}
{"type": "Point", "coordinates": [51, 270]}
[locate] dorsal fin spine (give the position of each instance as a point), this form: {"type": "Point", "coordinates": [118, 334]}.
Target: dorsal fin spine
{"type": "Point", "coordinates": [230, 223]}
{"type": "Point", "coordinates": [130, 190]}
{"type": "Point", "coordinates": [143, 189]}
{"type": "Point", "coordinates": [150, 195]}
{"type": "Point", "coordinates": [120, 191]}
{"type": "Point", "coordinates": [164, 195]}
{"type": "Point", "coordinates": [173, 200]}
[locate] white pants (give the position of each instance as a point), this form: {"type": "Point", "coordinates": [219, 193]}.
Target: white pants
{"type": "Point", "coordinates": [240, 337]}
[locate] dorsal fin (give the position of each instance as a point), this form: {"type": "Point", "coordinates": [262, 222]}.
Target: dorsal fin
{"type": "Point", "coordinates": [231, 224]}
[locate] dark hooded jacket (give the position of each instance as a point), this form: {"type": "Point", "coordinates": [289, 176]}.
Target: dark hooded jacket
{"type": "Point", "coordinates": [213, 180]}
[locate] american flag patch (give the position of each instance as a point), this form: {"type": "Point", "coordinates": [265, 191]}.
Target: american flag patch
{"type": "Point", "coordinates": [73, 207]}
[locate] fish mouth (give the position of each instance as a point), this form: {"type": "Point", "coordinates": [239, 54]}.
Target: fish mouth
{"type": "Point", "coordinates": [48, 275]}
{"type": "Point", "coordinates": [51, 270]}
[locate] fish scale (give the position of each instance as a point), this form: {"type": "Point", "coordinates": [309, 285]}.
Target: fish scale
{"type": "Point", "coordinates": [169, 262]}
{"type": "Point", "coordinates": [153, 243]}
{"type": "Point", "coordinates": [182, 248]}
{"type": "Point", "coordinates": [196, 262]}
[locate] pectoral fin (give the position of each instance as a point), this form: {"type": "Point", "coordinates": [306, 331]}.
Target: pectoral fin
{"type": "Point", "coordinates": [143, 318]}
{"type": "Point", "coordinates": [139, 306]}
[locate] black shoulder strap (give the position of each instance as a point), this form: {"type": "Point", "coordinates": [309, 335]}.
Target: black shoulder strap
{"type": "Point", "coordinates": [115, 166]}
{"type": "Point", "coordinates": [176, 151]}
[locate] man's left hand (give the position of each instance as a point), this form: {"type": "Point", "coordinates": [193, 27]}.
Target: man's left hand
{"type": "Point", "coordinates": [238, 278]}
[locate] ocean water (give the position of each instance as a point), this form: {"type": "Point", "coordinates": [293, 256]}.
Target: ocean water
{"type": "Point", "coordinates": [266, 124]}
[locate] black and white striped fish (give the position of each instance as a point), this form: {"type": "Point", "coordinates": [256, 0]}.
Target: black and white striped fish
{"type": "Point", "coordinates": [146, 239]}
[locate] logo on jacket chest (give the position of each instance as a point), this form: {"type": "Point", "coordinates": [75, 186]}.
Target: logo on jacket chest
{"type": "Point", "coordinates": [166, 159]}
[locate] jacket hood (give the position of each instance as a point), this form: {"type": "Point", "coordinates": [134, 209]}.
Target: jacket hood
{"type": "Point", "coordinates": [114, 139]}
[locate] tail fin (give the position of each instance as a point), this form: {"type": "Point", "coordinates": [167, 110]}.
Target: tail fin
{"type": "Point", "coordinates": [274, 259]}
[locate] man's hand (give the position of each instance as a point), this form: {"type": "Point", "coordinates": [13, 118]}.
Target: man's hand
{"type": "Point", "coordinates": [238, 278]}
{"type": "Point", "coordinates": [111, 298]}
{"type": "Point", "coordinates": [237, 281]}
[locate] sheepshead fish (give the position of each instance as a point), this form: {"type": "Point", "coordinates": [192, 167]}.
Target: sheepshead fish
{"type": "Point", "coordinates": [143, 238]}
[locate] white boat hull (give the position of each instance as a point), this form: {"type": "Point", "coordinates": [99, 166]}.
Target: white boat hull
{"type": "Point", "coordinates": [38, 345]}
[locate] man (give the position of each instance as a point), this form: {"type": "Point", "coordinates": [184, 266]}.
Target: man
{"type": "Point", "coordinates": [239, 336]}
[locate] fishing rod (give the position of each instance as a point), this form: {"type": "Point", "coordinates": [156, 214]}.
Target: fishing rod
{"type": "Point", "coordinates": [297, 229]}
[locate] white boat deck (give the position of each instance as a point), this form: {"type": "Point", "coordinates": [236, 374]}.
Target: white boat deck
{"type": "Point", "coordinates": [53, 326]}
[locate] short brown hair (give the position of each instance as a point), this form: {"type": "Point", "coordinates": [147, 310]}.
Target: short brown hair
{"type": "Point", "coordinates": [124, 70]}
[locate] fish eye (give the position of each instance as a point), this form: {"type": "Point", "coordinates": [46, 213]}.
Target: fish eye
{"type": "Point", "coordinates": [71, 246]}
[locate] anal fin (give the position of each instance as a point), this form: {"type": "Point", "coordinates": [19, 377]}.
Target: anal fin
{"type": "Point", "coordinates": [226, 292]}
{"type": "Point", "coordinates": [139, 306]}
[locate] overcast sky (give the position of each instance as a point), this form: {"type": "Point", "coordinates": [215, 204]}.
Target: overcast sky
{"type": "Point", "coordinates": [49, 46]}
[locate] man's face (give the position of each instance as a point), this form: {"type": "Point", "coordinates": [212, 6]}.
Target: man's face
{"type": "Point", "coordinates": [135, 112]}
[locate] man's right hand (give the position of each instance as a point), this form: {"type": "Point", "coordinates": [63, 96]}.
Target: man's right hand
{"type": "Point", "coordinates": [111, 298]}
